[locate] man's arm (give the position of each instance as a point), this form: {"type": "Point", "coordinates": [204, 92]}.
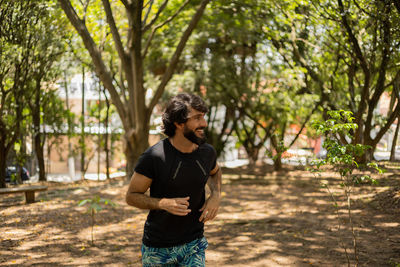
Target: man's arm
{"type": "Point", "coordinates": [214, 182]}
{"type": "Point", "coordinates": [135, 196]}
{"type": "Point", "coordinates": [211, 206]}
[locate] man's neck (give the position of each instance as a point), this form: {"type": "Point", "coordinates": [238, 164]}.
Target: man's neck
{"type": "Point", "coordinates": [182, 144]}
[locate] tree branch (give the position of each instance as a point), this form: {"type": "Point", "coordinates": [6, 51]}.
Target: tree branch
{"type": "Point", "coordinates": [304, 124]}
{"type": "Point", "coordinates": [126, 3]}
{"type": "Point", "coordinates": [148, 42]}
{"type": "Point", "coordinates": [160, 10]}
{"type": "Point", "coordinates": [85, 7]}
{"type": "Point", "coordinates": [101, 69]}
{"type": "Point", "coordinates": [151, 2]}
{"type": "Point", "coordinates": [389, 123]}
{"type": "Point", "coordinates": [353, 39]}
{"type": "Point", "coordinates": [115, 34]}
{"type": "Point", "coordinates": [300, 59]}
{"type": "Point", "coordinates": [364, 65]}
{"type": "Point", "coordinates": [380, 86]}
{"type": "Point", "coordinates": [175, 58]}
{"type": "Point", "coordinates": [363, 10]}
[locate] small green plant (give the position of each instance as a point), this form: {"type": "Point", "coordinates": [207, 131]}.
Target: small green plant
{"type": "Point", "coordinates": [94, 205]}
{"type": "Point", "coordinates": [343, 158]}
{"type": "Point", "coordinates": [393, 263]}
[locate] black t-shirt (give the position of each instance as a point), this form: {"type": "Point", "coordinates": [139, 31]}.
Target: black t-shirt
{"type": "Point", "coordinates": [175, 174]}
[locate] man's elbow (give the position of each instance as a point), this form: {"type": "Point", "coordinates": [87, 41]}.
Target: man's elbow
{"type": "Point", "coordinates": [130, 199]}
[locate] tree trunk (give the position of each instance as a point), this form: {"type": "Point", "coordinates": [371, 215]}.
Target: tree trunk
{"type": "Point", "coordinates": [39, 144]}
{"type": "Point", "coordinates": [134, 147]}
{"type": "Point", "coordinates": [394, 142]}
{"type": "Point", "coordinates": [71, 159]}
{"type": "Point", "coordinates": [40, 157]}
{"type": "Point", "coordinates": [5, 148]}
{"type": "Point", "coordinates": [82, 141]}
{"type": "Point", "coordinates": [278, 157]}
{"type": "Point", "coordinates": [20, 155]}
{"type": "Point", "coordinates": [98, 155]}
{"type": "Point", "coordinates": [3, 165]}
{"type": "Point", "coordinates": [48, 164]}
{"type": "Point", "coordinates": [278, 163]}
{"type": "Point", "coordinates": [106, 149]}
{"type": "Point", "coordinates": [252, 163]}
{"type": "Point", "coordinates": [369, 153]}
{"type": "Point", "coordinates": [252, 154]}
{"type": "Point", "coordinates": [99, 134]}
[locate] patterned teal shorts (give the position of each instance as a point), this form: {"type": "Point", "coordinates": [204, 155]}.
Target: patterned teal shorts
{"type": "Point", "coordinates": [191, 254]}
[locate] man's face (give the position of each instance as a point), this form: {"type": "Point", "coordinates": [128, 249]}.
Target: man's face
{"type": "Point", "coordinates": [194, 127]}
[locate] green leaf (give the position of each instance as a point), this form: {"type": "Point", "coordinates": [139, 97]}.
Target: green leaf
{"type": "Point", "coordinates": [355, 163]}
{"type": "Point", "coordinates": [83, 202]}
{"type": "Point", "coordinates": [17, 147]}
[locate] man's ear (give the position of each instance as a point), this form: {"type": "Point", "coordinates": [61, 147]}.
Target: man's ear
{"type": "Point", "coordinates": [179, 125]}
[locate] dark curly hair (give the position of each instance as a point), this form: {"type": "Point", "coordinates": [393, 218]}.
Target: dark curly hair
{"type": "Point", "coordinates": [177, 111]}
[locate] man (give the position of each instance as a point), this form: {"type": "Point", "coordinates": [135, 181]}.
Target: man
{"type": "Point", "coordinates": [176, 170]}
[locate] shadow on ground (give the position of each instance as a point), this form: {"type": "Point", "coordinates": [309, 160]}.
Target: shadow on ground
{"type": "Point", "coordinates": [266, 219]}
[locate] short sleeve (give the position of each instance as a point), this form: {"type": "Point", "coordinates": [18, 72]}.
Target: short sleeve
{"type": "Point", "coordinates": [145, 166]}
{"type": "Point", "coordinates": [213, 157]}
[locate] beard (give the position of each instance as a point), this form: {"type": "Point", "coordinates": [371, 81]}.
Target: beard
{"type": "Point", "coordinates": [191, 136]}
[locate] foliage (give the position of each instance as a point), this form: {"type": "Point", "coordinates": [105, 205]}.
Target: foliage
{"type": "Point", "coordinates": [250, 94]}
{"type": "Point", "coordinates": [342, 156]}
{"type": "Point", "coordinates": [31, 41]}
{"type": "Point", "coordinates": [346, 52]}
{"type": "Point", "coordinates": [95, 205]}
{"type": "Point", "coordinates": [343, 159]}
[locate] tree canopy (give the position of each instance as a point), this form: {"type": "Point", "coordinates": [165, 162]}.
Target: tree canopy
{"type": "Point", "coordinates": [265, 68]}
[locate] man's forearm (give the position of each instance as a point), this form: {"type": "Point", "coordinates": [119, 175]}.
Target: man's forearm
{"type": "Point", "coordinates": [176, 206]}
{"type": "Point", "coordinates": [214, 183]}
{"type": "Point", "coordinates": [142, 201]}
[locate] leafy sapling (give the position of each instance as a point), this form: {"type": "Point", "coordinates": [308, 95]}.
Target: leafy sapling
{"type": "Point", "coordinates": [342, 155]}
{"type": "Point", "coordinates": [94, 205]}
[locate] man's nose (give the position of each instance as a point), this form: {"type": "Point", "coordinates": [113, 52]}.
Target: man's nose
{"type": "Point", "coordinates": [203, 122]}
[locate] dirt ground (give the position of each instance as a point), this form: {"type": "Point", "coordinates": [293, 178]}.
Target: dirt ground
{"type": "Point", "coordinates": [266, 219]}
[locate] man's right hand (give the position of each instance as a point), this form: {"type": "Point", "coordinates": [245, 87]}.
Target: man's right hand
{"type": "Point", "coordinates": [176, 206]}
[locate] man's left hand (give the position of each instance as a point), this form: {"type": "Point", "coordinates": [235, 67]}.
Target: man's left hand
{"type": "Point", "coordinates": [210, 208]}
